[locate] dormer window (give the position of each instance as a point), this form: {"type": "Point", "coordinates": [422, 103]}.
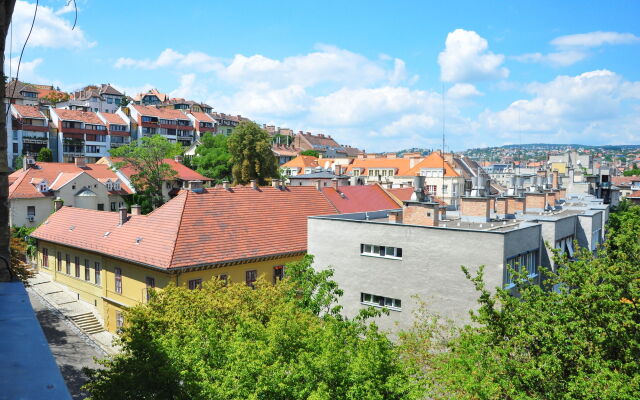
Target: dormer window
{"type": "Point", "coordinates": [109, 185]}
{"type": "Point", "coordinates": [116, 185]}
{"type": "Point", "coordinates": [43, 187]}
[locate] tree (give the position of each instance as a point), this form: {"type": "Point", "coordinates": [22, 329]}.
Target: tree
{"type": "Point", "coordinates": [579, 341]}
{"type": "Point", "coordinates": [251, 154]}
{"type": "Point", "coordinates": [631, 172]}
{"type": "Point", "coordinates": [124, 101]}
{"type": "Point", "coordinates": [212, 158]}
{"type": "Point", "coordinates": [313, 153]}
{"type": "Point", "coordinates": [45, 155]}
{"type": "Point", "coordinates": [147, 159]}
{"type": "Point", "coordinates": [55, 97]}
{"type": "Point", "coordinates": [235, 342]}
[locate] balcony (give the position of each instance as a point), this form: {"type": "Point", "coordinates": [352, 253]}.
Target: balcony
{"type": "Point", "coordinates": [17, 126]}
{"type": "Point", "coordinates": [29, 370]}
{"type": "Point", "coordinates": [80, 131]}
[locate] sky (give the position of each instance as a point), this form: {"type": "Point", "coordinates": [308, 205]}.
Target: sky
{"type": "Point", "coordinates": [379, 75]}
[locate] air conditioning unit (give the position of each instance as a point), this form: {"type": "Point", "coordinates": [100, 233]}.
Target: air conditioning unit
{"type": "Point", "coordinates": [31, 218]}
{"type": "Point", "coordinates": [31, 161]}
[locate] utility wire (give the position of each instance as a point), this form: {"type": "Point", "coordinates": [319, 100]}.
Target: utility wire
{"type": "Point", "coordinates": [33, 22]}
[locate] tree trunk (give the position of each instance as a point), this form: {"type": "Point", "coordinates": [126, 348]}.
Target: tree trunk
{"type": "Point", "coordinates": [6, 11]}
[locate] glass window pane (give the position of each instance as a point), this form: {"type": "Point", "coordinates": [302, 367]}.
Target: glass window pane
{"type": "Point", "coordinates": [397, 303]}
{"type": "Point", "coordinates": [382, 250]}
{"type": "Point", "coordinates": [390, 251]}
{"type": "Point", "coordinates": [388, 302]}
{"type": "Point", "coordinates": [398, 252]}
{"type": "Point", "coordinates": [376, 249]}
{"type": "Point", "coordinates": [367, 248]}
{"type": "Point", "coordinates": [367, 297]}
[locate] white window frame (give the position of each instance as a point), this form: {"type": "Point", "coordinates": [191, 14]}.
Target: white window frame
{"type": "Point", "coordinates": [375, 300]}
{"type": "Point", "coordinates": [371, 250]}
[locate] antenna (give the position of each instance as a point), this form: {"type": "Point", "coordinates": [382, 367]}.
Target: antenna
{"type": "Point", "coordinates": [520, 138]}
{"type": "Point", "coordinates": [443, 130]}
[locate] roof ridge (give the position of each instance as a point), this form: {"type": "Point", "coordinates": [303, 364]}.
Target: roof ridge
{"type": "Point", "coordinates": [328, 199]}
{"type": "Point", "coordinates": [389, 195]}
{"type": "Point", "coordinates": [17, 183]}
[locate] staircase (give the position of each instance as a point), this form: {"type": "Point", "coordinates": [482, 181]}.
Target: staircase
{"type": "Point", "coordinates": [87, 322]}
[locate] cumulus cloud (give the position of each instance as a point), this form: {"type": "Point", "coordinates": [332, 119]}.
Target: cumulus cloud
{"type": "Point", "coordinates": [50, 29]}
{"type": "Point", "coordinates": [466, 58]}
{"type": "Point", "coordinates": [581, 107]}
{"type": "Point", "coordinates": [571, 49]}
{"type": "Point", "coordinates": [27, 69]}
{"type": "Point", "coordinates": [170, 58]}
{"type": "Point", "coordinates": [463, 91]}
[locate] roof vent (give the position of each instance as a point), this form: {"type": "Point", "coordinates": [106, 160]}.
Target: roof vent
{"type": "Point", "coordinates": [72, 227]}
{"type": "Point", "coordinates": [138, 240]}
{"type": "Point", "coordinates": [106, 234]}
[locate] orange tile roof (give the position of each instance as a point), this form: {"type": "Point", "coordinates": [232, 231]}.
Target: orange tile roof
{"type": "Point", "coordinates": [624, 180]}
{"type": "Point", "coordinates": [302, 162]}
{"type": "Point", "coordinates": [22, 186]}
{"type": "Point", "coordinates": [202, 117]}
{"type": "Point", "coordinates": [404, 194]}
{"type": "Point", "coordinates": [196, 229]}
{"type": "Point", "coordinates": [77, 115]}
{"type": "Point", "coordinates": [113, 118]}
{"type": "Point", "coordinates": [163, 113]}
{"type": "Point", "coordinates": [401, 165]}
{"type": "Point", "coordinates": [28, 111]}
{"type": "Point", "coordinates": [635, 194]}
{"type": "Point", "coordinates": [182, 172]}
{"type": "Point", "coordinates": [433, 160]}
{"type": "Point", "coordinates": [360, 198]}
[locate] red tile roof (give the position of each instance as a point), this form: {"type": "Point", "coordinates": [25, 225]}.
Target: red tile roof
{"type": "Point", "coordinates": [635, 194]}
{"type": "Point", "coordinates": [302, 162]}
{"type": "Point", "coordinates": [113, 118]}
{"type": "Point", "coordinates": [360, 198]}
{"type": "Point", "coordinates": [163, 113]}
{"type": "Point", "coordinates": [400, 165]}
{"type": "Point", "coordinates": [196, 228]}
{"type": "Point", "coordinates": [624, 180]}
{"type": "Point", "coordinates": [22, 186]}
{"type": "Point", "coordinates": [182, 172]}
{"type": "Point", "coordinates": [28, 111]}
{"type": "Point", "coordinates": [77, 115]}
{"type": "Point", "coordinates": [202, 117]}
{"type": "Point", "coordinates": [402, 194]}
{"type": "Point", "coordinates": [433, 160]}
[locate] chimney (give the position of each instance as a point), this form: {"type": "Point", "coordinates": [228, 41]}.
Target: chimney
{"type": "Point", "coordinates": [254, 185]}
{"type": "Point", "coordinates": [334, 183]}
{"type": "Point", "coordinates": [448, 157]}
{"type": "Point", "coordinates": [136, 209]}
{"type": "Point", "coordinates": [395, 217]}
{"type": "Point", "coordinates": [178, 159]}
{"type": "Point", "coordinates": [337, 169]}
{"type": "Point", "coordinates": [318, 185]}
{"type": "Point", "coordinates": [475, 208]}
{"type": "Point", "coordinates": [389, 185]}
{"type": "Point", "coordinates": [57, 204]}
{"type": "Point", "coordinates": [225, 185]}
{"type": "Point", "coordinates": [391, 155]}
{"type": "Point", "coordinates": [555, 179]}
{"type": "Point", "coordinates": [420, 213]}
{"type": "Point", "coordinates": [28, 161]}
{"type": "Point", "coordinates": [275, 183]}
{"type": "Point", "coordinates": [414, 160]}
{"type": "Point", "coordinates": [80, 162]}
{"type": "Point", "coordinates": [123, 215]}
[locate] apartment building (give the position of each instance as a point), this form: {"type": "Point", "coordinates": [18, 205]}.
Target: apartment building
{"type": "Point", "coordinates": [225, 123]}
{"type": "Point", "coordinates": [299, 165]}
{"type": "Point", "coordinates": [174, 125]}
{"type": "Point", "coordinates": [97, 98]}
{"type": "Point", "coordinates": [203, 123]}
{"type": "Point", "coordinates": [151, 97]}
{"type": "Point", "coordinates": [324, 144]}
{"type": "Point", "coordinates": [186, 105]}
{"type": "Point", "coordinates": [400, 258]}
{"type": "Point", "coordinates": [80, 134]}
{"type": "Point", "coordinates": [27, 131]}
{"type": "Point", "coordinates": [118, 128]}
{"type": "Point", "coordinates": [21, 93]}
{"type": "Point", "coordinates": [33, 189]}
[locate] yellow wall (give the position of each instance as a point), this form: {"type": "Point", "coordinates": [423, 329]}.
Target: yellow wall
{"type": "Point", "coordinates": [104, 296]}
{"type": "Point", "coordinates": [560, 166]}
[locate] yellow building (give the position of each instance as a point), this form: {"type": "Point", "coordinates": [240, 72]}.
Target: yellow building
{"type": "Point", "coordinates": [239, 234]}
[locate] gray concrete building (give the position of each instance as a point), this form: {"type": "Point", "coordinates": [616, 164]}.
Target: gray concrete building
{"type": "Point", "coordinates": [398, 258]}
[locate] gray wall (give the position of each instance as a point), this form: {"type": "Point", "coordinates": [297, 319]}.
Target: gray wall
{"type": "Point", "coordinates": [430, 266]}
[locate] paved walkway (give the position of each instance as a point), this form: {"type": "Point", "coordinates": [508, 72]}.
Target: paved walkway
{"type": "Point", "coordinates": [57, 297]}
{"type": "Point", "coordinates": [71, 349]}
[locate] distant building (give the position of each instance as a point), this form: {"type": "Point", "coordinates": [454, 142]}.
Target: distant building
{"type": "Point", "coordinates": [174, 125]}
{"type": "Point", "coordinates": [27, 131]}
{"type": "Point", "coordinates": [102, 98]}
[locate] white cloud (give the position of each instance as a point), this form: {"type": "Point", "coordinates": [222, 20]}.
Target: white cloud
{"type": "Point", "coordinates": [262, 101]}
{"type": "Point", "coordinates": [409, 124]}
{"type": "Point", "coordinates": [595, 39]}
{"type": "Point", "coordinates": [583, 108]}
{"type": "Point", "coordinates": [462, 91]}
{"type": "Point", "coordinates": [27, 69]}
{"type": "Point", "coordinates": [50, 29]}
{"type": "Point", "coordinates": [196, 60]}
{"type": "Point", "coordinates": [466, 58]}
{"type": "Point", "coordinates": [571, 49]}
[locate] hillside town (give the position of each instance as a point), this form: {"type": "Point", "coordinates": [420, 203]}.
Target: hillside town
{"type": "Point", "coordinates": [315, 226]}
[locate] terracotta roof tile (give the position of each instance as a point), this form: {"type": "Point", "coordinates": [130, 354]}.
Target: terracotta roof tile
{"type": "Point", "coordinates": [113, 118]}
{"type": "Point", "coordinates": [163, 113]}
{"type": "Point", "coordinates": [400, 165]}
{"type": "Point", "coordinates": [202, 117]}
{"type": "Point", "coordinates": [302, 162]}
{"type": "Point", "coordinates": [28, 111]}
{"type": "Point", "coordinates": [76, 115]}
{"type": "Point", "coordinates": [182, 172]}
{"type": "Point", "coordinates": [433, 160]}
{"type": "Point", "coordinates": [351, 199]}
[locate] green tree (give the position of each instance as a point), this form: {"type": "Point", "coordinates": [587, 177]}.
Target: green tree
{"type": "Point", "coordinates": [147, 159]}
{"type": "Point", "coordinates": [18, 162]}
{"type": "Point", "coordinates": [631, 172]}
{"type": "Point", "coordinates": [313, 153]}
{"type": "Point", "coordinates": [251, 154]}
{"type": "Point", "coordinates": [45, 155]}
{"type": "Point", "coordinates": [235, 342]}
{"type": "Point", "coordinates": [212, 158]}
{"type": "Point", "coordinates": [580, 341]}
{"type": "Point", "coordinates": [124, 101]}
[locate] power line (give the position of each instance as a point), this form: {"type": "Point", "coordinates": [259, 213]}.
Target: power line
{"type": "Point", "coordinates": [33, 22]}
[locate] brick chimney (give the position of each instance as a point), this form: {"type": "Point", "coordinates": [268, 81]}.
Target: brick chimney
{"type": "Point", "coordinates": [28, 161]}
{"type": "Point", "coordinates": [555, 179]}
{"type": "Point", "coordinates": [254, 184]}
{"type": "Point", "coordinates": [57, 204]}
{"type": "Point", "coordinates": [536, 200]}
{"type": "Point", "coordinates": [123, 215]}
{"type": "Point", "coordinates": [337, 168]}
{"type": "Point", "coordinates": [475, 208]}
{"type": "Point", "coordinates": [420, 213]}
{"type": "Point", "coordinates": [334, 183]}
{"type": "Point", "coordinates": [318, 185]}
{"type": "Point", "coordinates": [275, 183]}
{"type": "Point", "coordinates": [395, 217]}
{"type": "Point", "coordinates": [136, 209]}
{"type": "Point", "coordinates": [502, 206]}
{"type": "Point", "coordinates": [81, 162]}
{"type": "Point", "coordinates": [225, 185]}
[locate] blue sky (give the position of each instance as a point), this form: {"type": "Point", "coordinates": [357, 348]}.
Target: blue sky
{"type": "Point", "coordinates": [370, 73]}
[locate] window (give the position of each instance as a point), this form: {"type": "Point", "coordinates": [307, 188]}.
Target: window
{"type": "Point", "coordinates": [98, 278]}
{"type": "Point", "coordinates": [525, 262]}
{"type": "Point", "coordinates": [119, 320]}
{"type": "Point", "coordinates": [565, 245]}
{"type": "Point", "coordinates": [431, 189]}
{"type": "Point", "coordinates": [87, 270]}
{"type": "Point", "coordinates": [45, 257]}
{"type": "Point", "coordinates": [278, 273]}
{"type": "Point", "coordinates": [113, 206]}
{"type": "Point", "coordinates": [381, 301]}
{"type": "Point", "coordinates": [195, 284]}
{"type": "Point", "coordinates": [380, 251]}
{"type": "Point", "coordinates": [76, 261]}
{"type": "Point", "coordinates": [100, 206]}
{"type": "Point", "coordinates": [595, 239]}
{"type": "Point", "coordinates": [59, 262]}
{"type": "Point", "coordinates": [151, 283]}
{"type": "Point", "coordinates": [445, 188]}
{"type": "Point", "coordinates": [250, 277]}
{"type": "Point", "coordinates": [67, 265]}
{"type": "Point", "coordinates": [118, 281]}
{"type": "Point", "coordinates": [224, 278]}
{"type": "Point", "coordinates": [31, 211]}
{"type": "Point", "coordinates": [109, 100]}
